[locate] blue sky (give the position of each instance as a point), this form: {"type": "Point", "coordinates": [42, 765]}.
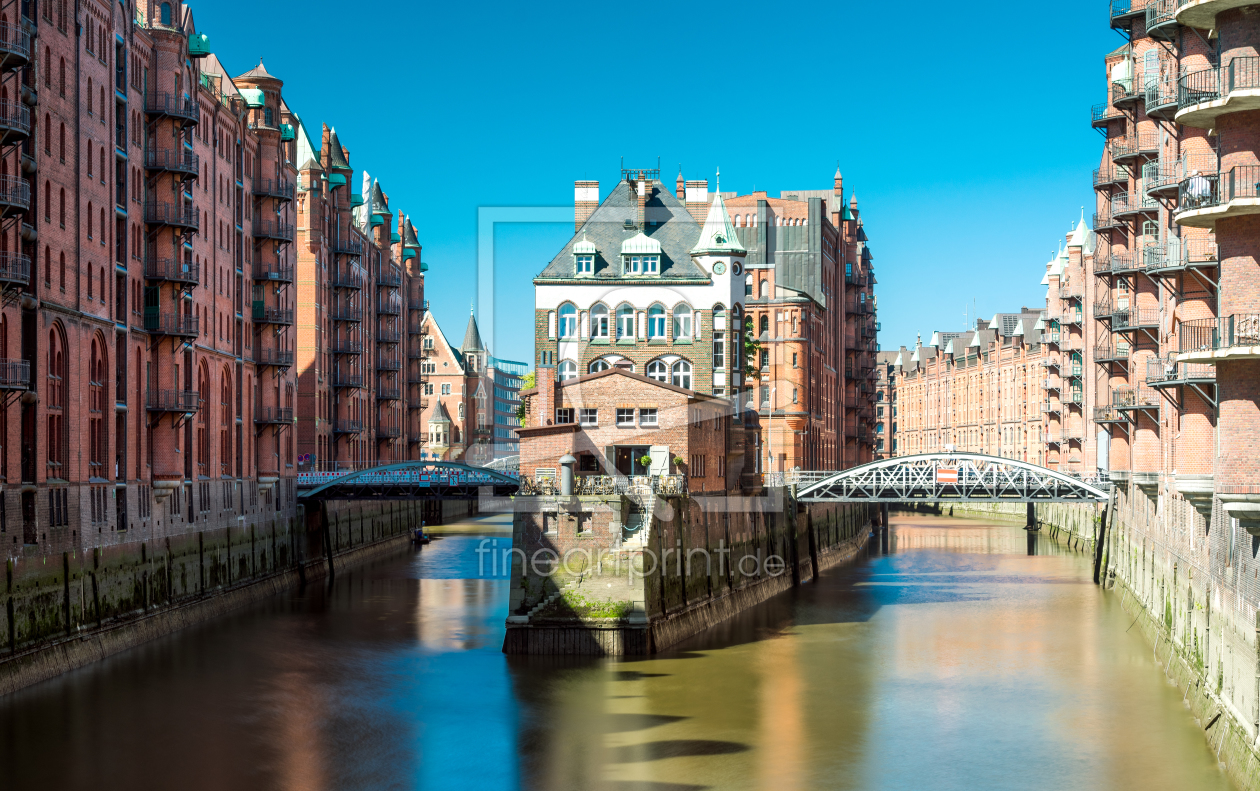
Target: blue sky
{"type": "Point", "coordinates": [963, 128]}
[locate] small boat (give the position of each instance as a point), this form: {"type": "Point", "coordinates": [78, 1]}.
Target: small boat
{"type": "Point", "coordinates": [418, 535]}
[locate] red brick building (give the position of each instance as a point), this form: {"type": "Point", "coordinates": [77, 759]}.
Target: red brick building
{"type": "Point", "coordinates": [619, 423]}
{"type": "Point", "coordinates": [161, 244]}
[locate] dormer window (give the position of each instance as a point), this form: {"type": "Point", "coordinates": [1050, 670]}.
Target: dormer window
{"type": "Point", "coordinates": [640, 255]}
{"type": "Point", "coordinates": [584, 257]}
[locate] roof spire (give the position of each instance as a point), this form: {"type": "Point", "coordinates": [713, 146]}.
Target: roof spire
{"type": "Point", "coordinates": [718, 181]}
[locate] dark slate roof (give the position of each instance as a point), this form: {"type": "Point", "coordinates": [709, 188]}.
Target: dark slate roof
{"type": "Point", "coordinates": [338, 156]}
{"type": "Point", "coordinates": [409, 236]}
{"type": "Point", "coordinates": [259, 72]}
{"type": "Point", "coordinates": [440, 413]}
{"type": "Point", "coordinates": [472, 338]}
{"type": "Point", "coordinates": [676, 231]}
{"type": "Point", "coordinates": [379, 206]}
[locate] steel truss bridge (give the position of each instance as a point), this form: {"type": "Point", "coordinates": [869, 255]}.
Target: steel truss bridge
{"type": "Point", "coordinates": [410, 480]}
{"type": "Point", "coordinates": [947, 477]}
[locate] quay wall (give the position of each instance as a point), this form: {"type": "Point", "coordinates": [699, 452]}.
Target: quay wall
{"type": "Point", "coordinates": [62, 611]}
{"type": "Point", "coordinates": [695, 562]}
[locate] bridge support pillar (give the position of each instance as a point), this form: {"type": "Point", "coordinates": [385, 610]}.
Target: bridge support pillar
{"type": "Point", "coordinates": [1031, 522]}
{"type": "Point", "coordinates": [883, 515]}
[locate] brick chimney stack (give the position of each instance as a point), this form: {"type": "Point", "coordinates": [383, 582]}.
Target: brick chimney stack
{"type": "Point", "coordinates": [543, 405]}
{"type": "Point", "coordinates": [644, 187]}
{"type": "Point", "coordinates": [697, 196]}
{"type": "Point", "coordinates": [585, 202]}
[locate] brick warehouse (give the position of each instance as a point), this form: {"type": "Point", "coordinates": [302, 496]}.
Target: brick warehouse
{"type": "Point", "coordinates": [164, 243]}
{"type": "Point", "coordinates": [671, 285]}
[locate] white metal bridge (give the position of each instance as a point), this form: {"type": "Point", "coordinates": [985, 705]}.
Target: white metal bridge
{"type": "Point", "coordinates": [946, 477]}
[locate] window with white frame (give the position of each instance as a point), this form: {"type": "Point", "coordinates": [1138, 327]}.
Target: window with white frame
{"type": "Point", "coordinates": [567, 371]}
{"type": "Point", "coordinates": [588, 416]}
{"type": "Point", "coordinates": [682, 374]}
{"type": "Point", "coordinates": [568, 321]}
{"type": "Point", "coordinates": [598, 365]}
{"type": "Point", "coordinates": [658, 370]}
{"type": "Point", "coordinates": [585, 264]}
{"type": "Point", "coordinates": [656, 322]}
{"type": "Point", "coordinates": [446, 389]}
{"type": "Point", "coordinates": [625, 322]}
{"type": "Point", "coordinates": [625, 417]}
{"type": "Point", "coordinates": [599, 321]}
{"type": "Point", "coordinates": [564, 415]}
{"type": "Point", "coordinates": [682, 321]}
{"type": "Point", "coordinates": [647, 417]}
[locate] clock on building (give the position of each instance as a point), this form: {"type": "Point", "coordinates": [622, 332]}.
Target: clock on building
{"type": "Point", "coordinates": [719, 268]}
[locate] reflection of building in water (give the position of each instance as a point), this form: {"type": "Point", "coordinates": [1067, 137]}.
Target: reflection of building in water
{"type": "Point", "coordinates": [441, 613]}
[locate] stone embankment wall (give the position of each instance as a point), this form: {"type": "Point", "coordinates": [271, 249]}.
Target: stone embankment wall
{"type": "Point", "coordinates": [1191, 581]}
{"type": "Point", "coordinates": [695, 562]}
{"type": "Point", "coordinates": [65, 610]}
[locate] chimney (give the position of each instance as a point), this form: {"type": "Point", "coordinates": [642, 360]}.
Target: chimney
{"type": "Point", "coordinates": [697, 195]}
{"type": "Point", "coordinates": [644, 188]}
{"type": "Point", "coordinates": [838, 202]}
{"type": "Point", "coordinates": [544, 403]}
{"type": "Point", "coordinates": [585, 202]}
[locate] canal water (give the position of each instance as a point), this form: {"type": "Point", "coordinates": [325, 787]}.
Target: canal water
{"type": "Point", "coordinates": [956, 660]}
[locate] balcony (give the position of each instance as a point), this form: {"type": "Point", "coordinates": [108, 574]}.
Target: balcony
{"type": "Point", "coordinates": [280, 189]}
{"type": "Point", "coordinates": [1124, 205]}
{"type": "Point", "coordinates": [417, 304]}
{"type": "Point", "coordinates": [186, 401]}
{"type": "Point", "coordinates": [171, 270]}
{"type": "Point", "coordinates": [417, 402]}
{"type": "Point", "coordinates": [1072, 317]}
{"type": "Point", "coordinates": [172, 160]}
{"type": "Point", "coordinates": [174, 215]}
{"type": "Point", "coordinates": [1104, 310]}
{"type": "Point", "coordinates": [15, 269]}
{"type": "Point", "coordinates": [1205, 198]}
{"type": "Point", "coordinates": [1051, 337]}
{"type": "Point", "coordinates": [1204, 96]}
{"type": "Point", "coordinates": [347, 426]}
{"type": "Point", "coordinates": [347, 380]}
{"type": "Point", "coordinates": [1235, 337]}
{"type": "Point", "coordinates": [1169, 373]}
{"type": "Point", "coordinates": [1111, 176]}
{"type": "Point", "coordinates": [15, 195]}
{"type": "Point", "coordinates": [15, 122]}
{"type": "Point", "coordinates": [273, 416]}
{"type": "Point", "coordinates": [273, 273]}
{"type": "Point", "coordinates": [174, 324]}
{"type": "Point", "coordinates": [272, 228]}
{"type": "Point", "coordinates": [354, 315]}
{"type": "Point", "coordinates": [268, 315]}
{"type": "Point", "coordinates": [1161, 19]}
{"type": "Point", "coordinates": [1108, 353]}
{"type": "Point", "coordinates": [1125, 398]}
{"type": "Point", "coordinates": [1201, 14]}
{"type": "Point", "coordinates": [1161, 179]}
{"type": "Point", "coordinates": [388, 336]}
{"type": "Point", "coordinates": [1072, 291]}
{"type": "Point", "coordinates": [1104, 221]}
{"type": "Point", "coordinates": [1123, 12]}
{"type": "Point", "coordinates": [388, 393]}
{"type": "Point", "coordinates": [388, 307]}
{"type": "Point", "coordinates": [388, 364]}
{"type": "Point", "coordinates": [1161, 99]}
{"type": "Point", "coordinates": [1047, 408]}
{"type": "Point", "coordinates": [167, 105]}
{"type": "Point", "coordinates": [15, 374]}
{"type": "Point", "coordinates": [15, 47]}
{"type": "Point", "coordinates": [389, 277]}
{"type": "Point", "coordinates": [1134, 319]}
{"type": "Point", "coordinates": [1108, 414]}
{"type": "Point", "coordinates": [1102, 113]}
{"type": "Point", "coordinates": [275, 358]}
{"type": "Point", "coordinates": [413, 352]}
{"type": "Point", "coordinates": [1049, 384]}
{"type": "Point", "coordinates": [1132, 146]}
{"type": "Point", "coordinates": [347, 279]}
{"type": "Point", "coordinates": [347, 347]}
{"type": "Point", "coordinates": [388, 432]}
{"type": "Point", "coordinates": [350, 246]}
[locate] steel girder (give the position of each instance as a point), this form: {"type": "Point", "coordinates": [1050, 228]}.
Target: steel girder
{"type": "Point", "coordinates": [950, 477]}
{"type": "Point", "coordinates": [413, 480]}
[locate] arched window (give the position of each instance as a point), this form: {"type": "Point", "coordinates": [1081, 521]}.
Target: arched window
{"type": "Point", "coordinates": [96, 409]}
{"type": "Point", "coordinates": [89, 91]}
{"type": "Point", "coordinates": [56, 402]}
{"type": "Point", "coordinates": [203, 431]}
{"type": "Point", "coordinates": [682, 321]}
{"type": "Point", "coordinates": [765, 289]}
{"type": "Point", "coordinates": [568, 321]}
{"type": "Point", "coordinates": [682, 374]}
{"type": "Point", "coordinates": [658, 370]}
{"type": "Point", "coordinates": [568, 370]}
{"type": "Point", "coordinates": [739, 222]}
{"type": "Point", "coordinates": [47, 265]}
{"type": "Point", "coordinates": [63, 143]}
{"type": "Point", "coordinates": [656, 322]}
{"type": "Point", "coordinates": [765, 324]}
{"type": "Point", "coordinates": [599, 365]}
{"type": "Point", "coordinates": [599, 321]}
{"type": "Point", "coordinates": [90, 212]}
{"type": "Point", "coordinates": [62, 209]}
{"type": "Point", "coordinates": [47, 134]}
{"type": "Point", "coordinates": [63, 272]}
{"type": "Point", "coordinates": [166, 14]}
{"type": "Point", "coordinates": [625, 322]}
{"type": "Point", "coordinates": [48, 67]}
{"type": "Point", "coordinates": [47, 201]}
{"type": "Point", "coordinates": [63, 77]}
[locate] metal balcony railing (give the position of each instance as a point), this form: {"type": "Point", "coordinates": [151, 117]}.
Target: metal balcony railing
{"type": "Point", "coordinates": [1108, 353]}
{"type": "Point", "coordinates": [1134, 318]}
{"type": "Point", "coordinates": [272, 415]}
{"type": "Point", "coordinates": [1108, 414]}
{"type": "Point", "coordinates": [347, 279]}
{"type": "Point", "coordinates": [172, 324]}
{"type": "Point", "coordinates": [171, 106]}
{"type": "Point", "coordinates": [417, 304]}
{"type": "Point", "coordinates": [172, 160]}
{"type": "Point", "coordinates": [273, 273]}
{"type": "Point", "coordinates": [1103, 112]}
{"type": "Point", "coordinates": [172, 401]}
{"type": "Point", "coordinates": [1134, 397]}
{"type": "Point", "coordinates": [268, 315]}
{"type": "Point", "coordinates": [388, 432]}
{"type": "Point", "coordinates": [347, 379]}
{"type": "Point", "coordinates": [15, 193]}
{"type": "Point", "coordinates": [1134, 145]}
{"type": "Point", "coordinates": [388, 336]}
{"type": "Point", "coordinates": [1202, 335]}
{"type": "Point", "coordinates": [15, 374]}
{"type": "Point", "coordinates": [173, 214]}
{"type": "Point", "coordinates": [386, 393]}
{"type": "Point", "coordinates": [274, 229]}
{"type": "Point", "coordinates": [349, 246]}
{"type": "Point", "coordinates": [1115, 174]}
{"type": "Point", "coordinates": [1161, 18]}
{"type": "Point", "coordinates": [1209, 85]}
{"type": "Point", "coordinates": [15, 269]}
{"type": "Point", "coordinates": [280, 189]}
{"type": "Point", "coordinates": [388, 307]}
{"type": "Point", "coordinates": [347, 314]}
{"type": "Point", "coordinates": [172, 270]}
{"type": "Point", "coordinates": [347, 347]}
{"type": "Point", "coordinates": [389, 278]}
{"type": "Point", "coordinates": [347, 426]}
{"type": "Point", "coordinates": [388, 364]}
{"type": "Point", "coordinates": [280, 358]}
{"type": "Point", "coordinates": [1128, 203]}
{"type": "Point", "coordinates": [1167, 372]}
{"type": "Point", "coordinates": [1212, 189]}
{"type": "Point", "coordinates": [15, 47]}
